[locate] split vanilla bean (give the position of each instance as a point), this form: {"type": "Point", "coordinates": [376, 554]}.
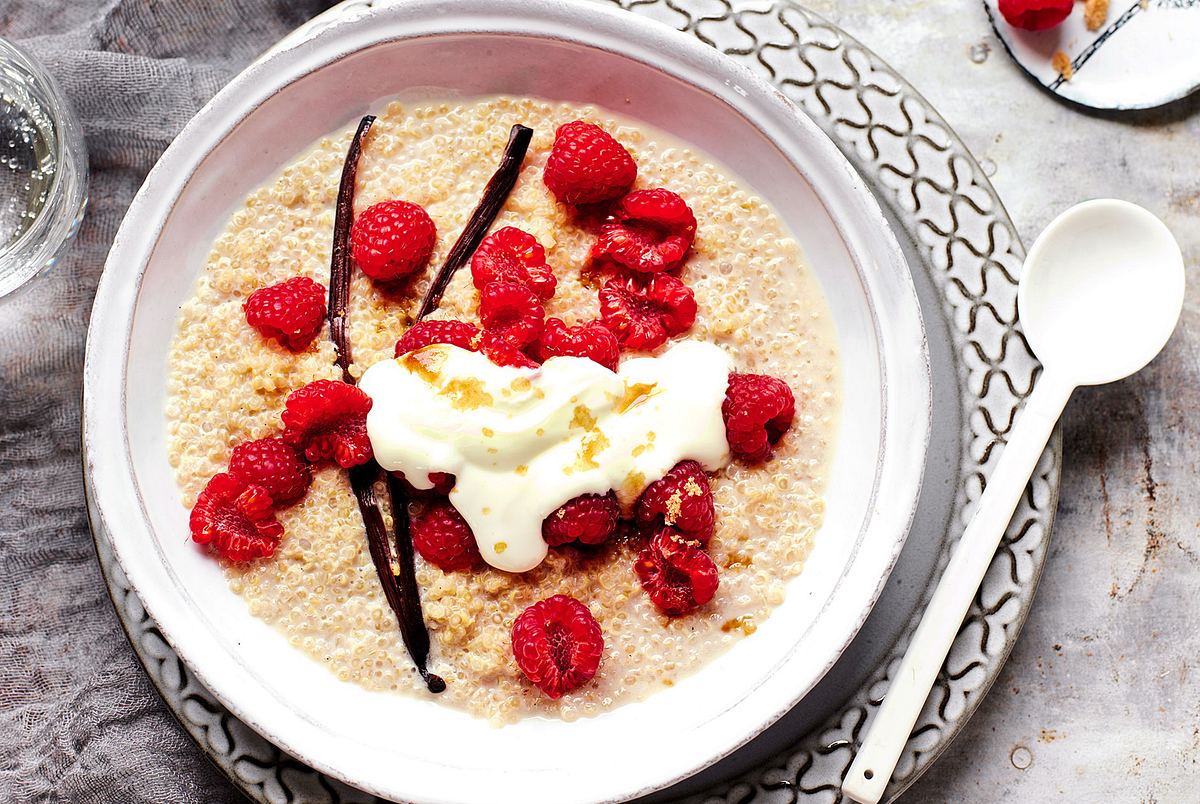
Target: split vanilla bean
{"type": "Point", "coordinates": [482, 218]}
{"type": "Point", "coordinates": [339, 262]}
{"type": "Point", "coordinates": [396, 566]}
{"type": "Point", "coordinates": [399, 587]}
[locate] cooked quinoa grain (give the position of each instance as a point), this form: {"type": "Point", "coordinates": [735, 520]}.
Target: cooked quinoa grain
{"type": "Point", "coordinates": [227, 384]}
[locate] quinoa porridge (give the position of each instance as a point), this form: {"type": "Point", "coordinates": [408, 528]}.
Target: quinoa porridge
{"type": "Point", "coordinates": [756, 300]}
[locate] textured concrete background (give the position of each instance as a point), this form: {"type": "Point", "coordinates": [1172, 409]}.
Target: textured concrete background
{"type": "Point", "coordinates": [1101, 698]}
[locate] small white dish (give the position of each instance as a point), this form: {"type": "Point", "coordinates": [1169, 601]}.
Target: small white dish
{"type": "Point", "coordinates": [1144, 55]}
{"type": "Point", "coordinates": [405, 748]}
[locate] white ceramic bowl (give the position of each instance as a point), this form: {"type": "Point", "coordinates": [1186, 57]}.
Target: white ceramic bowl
{"type": "Point", "coordinates": [403, 747]}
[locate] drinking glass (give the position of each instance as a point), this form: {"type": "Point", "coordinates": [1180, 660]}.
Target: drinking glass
{"type": "Point", "coordinates": [43, 169]}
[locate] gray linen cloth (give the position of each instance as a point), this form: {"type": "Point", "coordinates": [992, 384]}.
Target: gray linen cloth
{"type": "Point", "coordinates": [79, 721]}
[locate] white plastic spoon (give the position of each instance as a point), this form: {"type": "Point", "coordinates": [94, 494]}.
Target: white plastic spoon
{"type": "Point", "coordinates": [1100, 293]}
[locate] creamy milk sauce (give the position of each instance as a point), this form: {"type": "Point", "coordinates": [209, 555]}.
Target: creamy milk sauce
{"type": "Point", "coordinates": [521, 442]}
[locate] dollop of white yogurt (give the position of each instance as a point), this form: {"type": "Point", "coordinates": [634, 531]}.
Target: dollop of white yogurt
{"type": "Point", "coordinates": [521, 442]}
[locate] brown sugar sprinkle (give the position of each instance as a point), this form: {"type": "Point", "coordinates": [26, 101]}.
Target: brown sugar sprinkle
{"type": "Point", "coordinates": [737, 560]}
{"type": "Point", "coordinates": [467, 393]}
{"type": "Point", "coordinates": [634, 394]}
{"type": "Point", "coordinates": [674, 507]}
{"type": "Point", "coordinates": [628, 493]}
{"type": "Point", "coordinates": [745, 624]}
{"type": "Point", "coordinates": [757, 300]}
{"type": "Point", "coordinates": [425, 363]}
{"type": "Point", "coordinates": [1095, 13]}
{"type": "Point", "coordinates": [590, 446]}
{"type": "Point", "coordinates": [1062, 63]}
{"type": "Point", "coordinates": [582, 418]}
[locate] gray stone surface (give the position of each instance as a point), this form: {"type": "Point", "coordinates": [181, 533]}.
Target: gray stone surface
{"type": "Point", "coordinates": [1101, 698]}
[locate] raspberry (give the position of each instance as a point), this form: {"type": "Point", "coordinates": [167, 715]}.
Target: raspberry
{"type": "Point", "coordinates": [235, 519]}
{"type": "Point", "coordinates": [291, 312]}
{"type": "Point", "coordinates": [503, 353]}
{"type": "Point", "coordinates": [592, 340]}
{"type": "Point", "coordinates": [643, 311]}
{"type": "Point", "coordinates": [588, 519]}
{"type": "Point", "coordinates": [587, 165]}
{"type": "Point", "coordinates": [424, 333]}
{"type": "Point", "coordinates": [392, 239]}
{"type": "Point", "coordinates": [328, 419]}
{"type": "Point", "coordinates": [443, 484]}
{"type": "Point", "coordinates": [557, 644]}
{"type": "Point", "coordinates": [273, 464]}
{"type": "Point", "coordinates": [444, 538]}
{"type": "Point", "coordinates": [757, 410]}
{"type": "Point", "coordinates": [682, 500]}
{"type": "Point", "coordinates": [511, 255]}
{"type": "Point", "coordinates": [511, 312]}
{"type": "Point", "coordinates": [1035, 15]}
{"type": "Point", "coordinates": [649, 231]}
{"type": "Point", "coordinates": [676, 573]}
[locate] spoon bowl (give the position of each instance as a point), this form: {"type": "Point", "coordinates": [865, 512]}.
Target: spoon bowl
{"type": "Point", "coordinates": [1101, 291]}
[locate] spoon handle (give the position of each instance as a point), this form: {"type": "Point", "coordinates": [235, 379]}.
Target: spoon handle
{"type": "Point", "coordinates": [889, 730]}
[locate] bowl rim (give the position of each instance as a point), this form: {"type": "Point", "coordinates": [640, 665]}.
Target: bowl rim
{"type": "Point", "coordinates": [660, 48]}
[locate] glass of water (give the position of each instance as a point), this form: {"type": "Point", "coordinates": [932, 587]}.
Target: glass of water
{"type": "Point", "coordinates": [43, 169]}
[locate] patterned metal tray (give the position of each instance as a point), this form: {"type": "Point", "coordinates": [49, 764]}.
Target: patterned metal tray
{"type": "Point", "coordinates": [966, 257]}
